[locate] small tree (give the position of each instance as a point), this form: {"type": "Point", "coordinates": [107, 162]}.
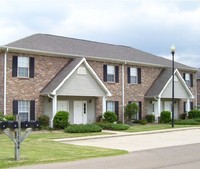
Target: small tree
{"type": "Point", "coordinates": [131, 110]}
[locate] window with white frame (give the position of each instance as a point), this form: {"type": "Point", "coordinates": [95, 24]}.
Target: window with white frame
{"type": "Point", "coordinates": [23, 67]}
{"type": "Point", "coordinates": [187, 79]}
{"type": "Point", "coordinates": [110, 106]}
{"type": "Point", "coordinates": [133, 75]}
{"type": "Point", "coordinates": [110, 73]}
{"type": "Point", "coordinates": [24, 109]}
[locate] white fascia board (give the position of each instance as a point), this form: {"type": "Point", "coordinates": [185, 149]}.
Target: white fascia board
{"type": "Point", "coordinates": [97, 78]}
{"type": "Point", "coordinates": [67, 77]}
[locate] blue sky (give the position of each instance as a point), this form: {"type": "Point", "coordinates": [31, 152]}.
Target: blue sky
{"type": "Point", "coordinates": [148, 25]}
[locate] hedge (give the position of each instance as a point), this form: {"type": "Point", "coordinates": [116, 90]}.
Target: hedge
{"type": "Point", "coordinates": [165, 117]}
{"type": "Point", "coordinates": [83, 128]}
{"type": "Point", "coordinates": [193, 114]}
{"type": "Point", "coordinates": [112, 126]}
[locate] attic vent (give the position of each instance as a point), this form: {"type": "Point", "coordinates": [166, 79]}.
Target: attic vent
{"type": "Point", "coordinates": [81, 71]}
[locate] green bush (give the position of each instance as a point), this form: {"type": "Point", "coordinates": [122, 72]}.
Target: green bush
{"type": "Point", "coordinates": [61, 120]}
{"type": "Point", "coordinates": [165, 117]}
{"type": "Point", "coordinates": [130, 110]}
{"type": "Point", "coordinates": [143, 121]}
{"type": "Point", "coordinates": [187, 122]}
{"type": "Point", "coordinates": [1, 116]}
{"type": "Point", "coordinates": [10, 117]}
{"type": "Point", "coordinates": [110, 117]}
{"type": "Point", "coordinates": [83, 128]}
{"type": "Point", "coordinates": [193, 114]}
{"type": "Point", "coordinates": [112, 126]}
{"type": "Point", "coordinates": [150, 118]}
{"type": "Point", "coordinates": [183, 116]}
{"type": "Point", "coordinates": [44, 121]}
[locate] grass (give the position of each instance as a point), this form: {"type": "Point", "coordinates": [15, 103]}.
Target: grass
{"type": "Point", "coordinates": [40, 148]}
{"type": "Point", "coordinates": [153, 127]}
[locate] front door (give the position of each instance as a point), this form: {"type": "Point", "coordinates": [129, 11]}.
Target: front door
{"type": "Point", "coordinates": [80, 112]}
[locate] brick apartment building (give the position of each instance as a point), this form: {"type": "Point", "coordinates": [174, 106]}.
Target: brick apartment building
{"type": "Point", "coordinates": [42, 74]}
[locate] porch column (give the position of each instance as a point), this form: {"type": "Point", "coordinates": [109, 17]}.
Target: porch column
{"type": "Point", "coordinates": [54, 109]}
{"type": "Point", "coordinates": [103, 105]}
{"type": "Point", "coordinates": [188, 105]}
{"type": "Point", "coordinates": [159, 108]}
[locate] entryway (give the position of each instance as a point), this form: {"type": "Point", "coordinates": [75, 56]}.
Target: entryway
{"type": "Point", "coordinates": [80, 112]}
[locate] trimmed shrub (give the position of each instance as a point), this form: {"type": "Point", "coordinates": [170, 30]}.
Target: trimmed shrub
{"type": "Point", "coordinates": [193, 114]}
{"type": "Point", "coordinates": [112, 126]}
{"type": "Point", "coordinates": [43, 121]}
{"type": "Point", "coordinates": [187, 122]}
{"type": "Point", "coordinates": [165, 117]}
{"type": "Point", "coordinates": [83, 128]}
{"type": "Point", "coordinates": [110, 117]}
{"type": "Point", "coordinates": [150, 118]}
{"type": "Point", "coordinates": [61, 120]}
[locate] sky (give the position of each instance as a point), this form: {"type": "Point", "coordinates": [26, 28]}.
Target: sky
{"type": "Point", "coordinates": [148, 25]}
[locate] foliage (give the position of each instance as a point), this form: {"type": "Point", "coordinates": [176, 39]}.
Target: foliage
{"type": "Point", "coordinates": [99, 118]}
{"type": "Point", "coordinates": [10, 117]}
{"type": "Point", "coordinates": [110, 117]}
{"type": "Point", "coordinates": [183, 116]}
{"type": "Point", "coordinates": [131, 110]}
{"type": "Point", "coordinates": [61, 120]}
{"type": "Point", "coordinates": [1, 116]}
{"type": "Point", "coordinates": [83, 128]}
{"type": "Point", "coordinates": [193, 114]}
{"type": "Point", "coordinates": [187, 122]}
{"type": "Point", "coordinates": [143, 121]}
{"type": "Point", "coordinates": [112, 126]}
{"type": "Point", "coordinates": [165, 117]}
{"type": "Point", "coordinates": [44, 121]}
{"type": "Point", "coordinates": [150, 118]}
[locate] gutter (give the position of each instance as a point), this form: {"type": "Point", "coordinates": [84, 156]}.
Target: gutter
{"type": "Point", "coordinates": [123, 92]}
{"type": "Point", "coordinates": [5, 78]}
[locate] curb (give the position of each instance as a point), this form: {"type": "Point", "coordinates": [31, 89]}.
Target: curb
{"type": "Point", "coordinates": [125, 134]}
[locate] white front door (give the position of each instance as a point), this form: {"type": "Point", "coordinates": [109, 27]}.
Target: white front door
{"type": "Point", "coordinates": [80, 112]}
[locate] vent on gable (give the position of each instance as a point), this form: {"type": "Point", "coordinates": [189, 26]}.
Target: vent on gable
{"type": "Point", "coordinates": [81, 71]}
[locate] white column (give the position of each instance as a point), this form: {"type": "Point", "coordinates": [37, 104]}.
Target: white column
{"type": "Point", "coordinates": [188, 105]}
{"type": "Point", "coordinates": [159, 108]}
{"type": "Point", "coordinates": [54, 109]}
{"type": "Point", "coordinates": [103, 105]}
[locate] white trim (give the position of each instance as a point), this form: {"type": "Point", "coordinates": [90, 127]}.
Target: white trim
{"type": "Point", "coordinates": [181, 80]}
{"type": "Point", "coordinates": [90, 70]}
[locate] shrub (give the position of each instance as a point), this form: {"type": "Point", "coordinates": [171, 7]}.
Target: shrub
{"type": "Point", "coordinates": [81, 128]}
{"type": "Point", "coordinates": [1, 116]}
{"type": "Point", "coordinates": [43, 121]}
{"type": "Point", "coordinates": [143, 121]}
{"type": "Point", "coordinates": [112, 126]}
{"type": "Point", "coordinates": [150, 118]}
{"type": "Point", "coordinates": [183, 116]}
{"type": "Point", "coordinates": [110, 117]}
{"type": "Point", "coordinates": [193, 114]}
{"type": "Point", "coordinates": [61, 120]}
{"type": "Point", "coordinates": [99, 118]}
{"type": "Point", "coordinates": [187, 122]}
{"type": "Point", "coordinates": [165, 117]}
{"type": "Point", "coordinates": [131, 110]}
{"type": "Point", "coordinates": [10, 117]}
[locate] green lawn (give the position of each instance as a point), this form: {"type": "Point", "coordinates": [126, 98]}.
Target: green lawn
{"type": "Point", "coordinates": [40, 148]}
{"type": "Point", "coordinates": [152, 127]}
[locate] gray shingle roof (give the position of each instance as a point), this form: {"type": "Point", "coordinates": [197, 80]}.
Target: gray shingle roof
{"type": "Point", "coordinates": [89, 49]}
{"type": "Point", "coordinates": [159, 83]}
{"type": "Point", "coordinates": [62, 74]}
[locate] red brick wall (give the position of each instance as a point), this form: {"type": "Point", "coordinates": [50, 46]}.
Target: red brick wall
{"type": "Point", "coordinates": [29, 88]}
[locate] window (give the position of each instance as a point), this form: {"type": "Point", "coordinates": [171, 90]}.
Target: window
{"type": "Point", "coordinates": [188, 79]}
{"type": "Point", "coordinates": [23, 67]}
{"type": "Point", "coordinates": [24, 110]}
{"type": "Point", "coordinates": [111, 73]}
{"type": "Point", "coordinates": [134, 75]}
{"type": "Point", "coordinates": [113, 106]}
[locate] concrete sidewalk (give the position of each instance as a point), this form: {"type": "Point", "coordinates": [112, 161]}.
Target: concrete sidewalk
{"type": "Point", "coordinates": [141, 140]}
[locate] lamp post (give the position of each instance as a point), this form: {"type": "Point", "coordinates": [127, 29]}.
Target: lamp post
{"type": "Point", "coordinates": [172, 52]}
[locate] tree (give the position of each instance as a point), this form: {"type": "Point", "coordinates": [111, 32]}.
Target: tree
{"type": "Point", "coordinates": [130, 110]}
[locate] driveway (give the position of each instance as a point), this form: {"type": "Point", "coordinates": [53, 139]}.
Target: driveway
{"type": "Point", "coordinates": [140, 142]}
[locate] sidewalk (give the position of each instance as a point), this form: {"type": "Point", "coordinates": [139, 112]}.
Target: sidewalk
{"type": "Point", "coordinates": [122, 133]}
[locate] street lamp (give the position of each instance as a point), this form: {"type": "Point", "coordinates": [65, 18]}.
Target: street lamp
{"type": "Point", "coordinates": [172, 52]}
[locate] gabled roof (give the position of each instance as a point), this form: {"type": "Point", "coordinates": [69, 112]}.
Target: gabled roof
{"type": "Point", "coordinates": [51, 44]}
{"type": "Point", "coordinates": [65, 74]}
{"type": "Point", "coordinates": [162, 81]}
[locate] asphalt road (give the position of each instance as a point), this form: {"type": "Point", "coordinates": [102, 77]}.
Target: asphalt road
{"type": "Point", "coordinates": [177, 157]}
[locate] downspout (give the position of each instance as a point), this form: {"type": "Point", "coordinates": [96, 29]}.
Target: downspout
{"type": "Point", "coordinates": [123, 92]}
{"type": "Point", "coordinates": [5, 78]}
{"type": "Point", "coordinates": [52, 107]}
